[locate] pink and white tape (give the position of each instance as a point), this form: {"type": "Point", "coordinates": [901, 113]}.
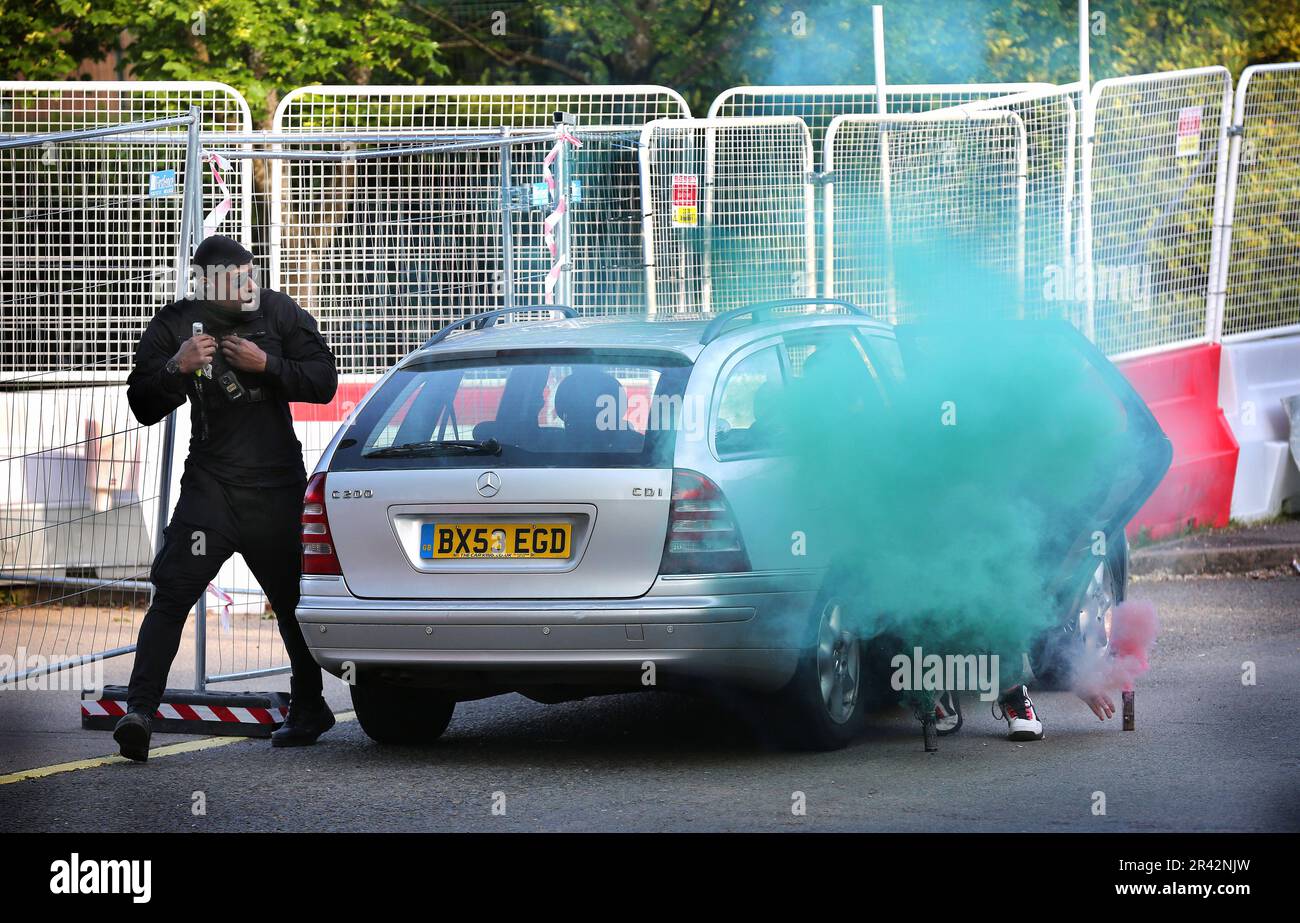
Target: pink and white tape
{"type": "Point", "coordinates": [552, 221]}
{"type": "Point", "coordinates": [226, 602]}
{"type": "Point", "coordinates": [218, 214]}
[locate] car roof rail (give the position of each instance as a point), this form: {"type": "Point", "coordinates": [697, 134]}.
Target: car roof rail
{"type": "Point", "coordinates": [489, 318]}
{"type": "Point", "coordinates": [763, 311]}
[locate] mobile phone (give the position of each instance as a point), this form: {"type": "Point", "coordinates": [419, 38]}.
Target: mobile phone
{"type": "Point", "coordinates": [195, 329]}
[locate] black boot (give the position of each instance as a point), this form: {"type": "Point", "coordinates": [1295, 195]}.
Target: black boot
{"type": "Point", "coordinates": [132, 734]}
{"type": "Point", "coordinates": [303, 725]}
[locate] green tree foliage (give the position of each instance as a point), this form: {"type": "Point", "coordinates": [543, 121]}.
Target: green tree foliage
{"type": "Point", "coordinates": [265, 47]}
{"type": "Point", "coordinates": [261, 47]}
{"type": "Point", "coordinates": [698, 47]}
{"type": "Point", "coordinates": [47, 39]}
{"type": "Point", "coordinates": [1028, 39]}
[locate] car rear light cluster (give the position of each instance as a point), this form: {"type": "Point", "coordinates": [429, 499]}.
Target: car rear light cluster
{"type": "Point", "coordinates": [703, 536]}
{"type": "Point", "coordinates": [318, 556]}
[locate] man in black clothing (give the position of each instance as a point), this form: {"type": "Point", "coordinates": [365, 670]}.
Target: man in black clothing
{"type": "Point", "coordinates": [243, 483]}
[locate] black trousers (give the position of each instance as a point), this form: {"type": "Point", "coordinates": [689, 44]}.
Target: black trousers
{"type": "Point", "coordinates": [211, 522]}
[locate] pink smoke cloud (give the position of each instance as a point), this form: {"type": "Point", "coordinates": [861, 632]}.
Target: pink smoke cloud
{"type": "Point", "coordinates": [1133, 630]}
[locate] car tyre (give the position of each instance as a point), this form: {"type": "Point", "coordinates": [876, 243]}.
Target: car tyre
{"type": "Point", "coordinates": [401, 714]}
{"type": "Point", "coordinates": [1087, 623]}
{"type": "Point", "coordinates": [822, 707]}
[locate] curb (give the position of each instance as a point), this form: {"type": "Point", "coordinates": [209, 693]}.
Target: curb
{"type": "Point", "coordinates": [1185, 562]}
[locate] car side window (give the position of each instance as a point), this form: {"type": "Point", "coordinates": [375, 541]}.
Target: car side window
{"type": "Point", "coordinates": [832, 372]}
{"type": "Point", "coordinates": [826, 358]}
{"type": "Point", "coordinates": [747, 414]}
{"type": "Point", "coordinates": [885, 349]}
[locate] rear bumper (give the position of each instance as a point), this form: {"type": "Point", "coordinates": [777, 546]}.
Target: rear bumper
{"type": "Point", "coordinates": [744, 630]}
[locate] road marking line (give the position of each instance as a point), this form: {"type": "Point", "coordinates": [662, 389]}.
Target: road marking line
{"type": "Point", "coordinates": [188, 746]}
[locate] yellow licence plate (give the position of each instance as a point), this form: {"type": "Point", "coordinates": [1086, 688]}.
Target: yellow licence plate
{"type": "Point", "coordinates": [441, 540]}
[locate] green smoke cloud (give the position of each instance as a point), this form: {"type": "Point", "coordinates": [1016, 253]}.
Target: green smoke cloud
{"type": "Point", "coordinates": [959, 504]}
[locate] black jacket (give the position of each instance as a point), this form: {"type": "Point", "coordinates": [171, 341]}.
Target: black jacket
{"type": "Point", "coordinates": [250, 442]}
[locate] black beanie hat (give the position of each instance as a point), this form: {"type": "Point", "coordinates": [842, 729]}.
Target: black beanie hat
{"type": "Point", "coordinates": [221, 251]}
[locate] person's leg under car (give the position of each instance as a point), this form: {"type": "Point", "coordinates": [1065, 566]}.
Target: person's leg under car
{"type": "Point", "coordinates": [189, 559]}
{"type": "Point", "coordinates": [270, 522]}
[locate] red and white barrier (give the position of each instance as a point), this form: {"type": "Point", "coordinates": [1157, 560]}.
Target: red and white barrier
{"type": "Point", "coordinates": [182, 712]}
{"type": "Point", "coordinates": [223, 714]}
{"type": "Point", "coordinates": [1182, 389]}
{"type": "Point", "coordinates": [1254, 379]}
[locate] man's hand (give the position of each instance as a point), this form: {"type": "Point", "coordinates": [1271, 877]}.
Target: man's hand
{"type": "Point", "coordinates": [195, 353]}
{"type": "Point", "coordinates": [244, 355]}
{"type": "Point", "coordinates": [1100, 703]}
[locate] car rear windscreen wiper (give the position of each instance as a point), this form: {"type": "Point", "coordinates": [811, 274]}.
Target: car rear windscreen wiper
{"type": "Point", "coordinates": [438, 447]}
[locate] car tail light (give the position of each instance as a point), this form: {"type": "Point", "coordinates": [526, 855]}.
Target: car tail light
{"type": "Point", "coordinates": [318, 555]}
{"type": "Point", "coordinates": [703, 537]}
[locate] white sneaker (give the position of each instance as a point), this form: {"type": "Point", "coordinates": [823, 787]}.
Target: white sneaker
{"type": "Point", "coordinates": [947, 713]}
{"type": "Point", "coordinates": [1022, 720]}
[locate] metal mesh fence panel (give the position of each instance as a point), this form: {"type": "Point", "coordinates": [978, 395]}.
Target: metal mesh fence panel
{"type": "Point", "coordinates": [465, 262]}
{"type": "Point", "coordinates": [728, 213]}
{"type": "Point", "coordinates": [914, 199]}
{"type": "Point", "coordinates": [1051, 123]}
{"type": "Point", "coordinates": [1263, 257]}
{"type": "Point", "coordinates": [1159, 143]}
{"type": "Point", "coordinates": [819, 105]}
{"type": "Point", "coordinates": [81, 482]}
{"type": "Point", "coordinates": [88, 228]}
{"type": "Point", "coordinates": [352, 109]}
{"type": "Point", "coordinates": [385, 251]}
{"type": "Point", "coordinates": [35, 107]}
{"type": "Point", "coordinates": [78, 507]}
{"type": "Point", "coordinates": [606, 256]}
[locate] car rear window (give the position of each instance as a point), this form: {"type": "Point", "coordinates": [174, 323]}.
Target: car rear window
{"type": "Point", "coordinates": [562, 408]}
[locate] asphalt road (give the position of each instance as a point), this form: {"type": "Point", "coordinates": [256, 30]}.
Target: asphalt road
{"type": "Point", "coordinates": [1209, 754]}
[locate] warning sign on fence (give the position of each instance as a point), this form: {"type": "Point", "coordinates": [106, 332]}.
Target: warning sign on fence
{"type": "Point", "coordinates": [1189, 132]}
{"type": "Point", "coordinates": [686, 193]}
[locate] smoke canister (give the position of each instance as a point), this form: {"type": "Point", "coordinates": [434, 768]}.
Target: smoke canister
{"type": "Point", "coordinates": [1127, 696]}
{"type": "Point", "coordinates": [930, 733]}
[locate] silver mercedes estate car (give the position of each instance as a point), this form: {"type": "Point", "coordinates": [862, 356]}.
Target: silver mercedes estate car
{"type": "Point", "coordinates": [578, 506]}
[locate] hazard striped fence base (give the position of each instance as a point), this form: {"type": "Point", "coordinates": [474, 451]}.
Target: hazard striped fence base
{"type": "Point", "coordinates": [228, 714]}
